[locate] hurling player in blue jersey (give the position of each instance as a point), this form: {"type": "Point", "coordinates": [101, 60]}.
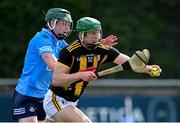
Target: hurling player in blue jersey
{"type": "Point", "coordinates": [39, 64]}
{"type": "Point", "coordinates": [41, 57]}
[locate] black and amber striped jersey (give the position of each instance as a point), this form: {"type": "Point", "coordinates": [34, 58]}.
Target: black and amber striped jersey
{"type": "Point", "coordinates": [79, 58]}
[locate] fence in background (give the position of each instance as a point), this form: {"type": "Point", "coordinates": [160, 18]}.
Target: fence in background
{"type": "Point", "coordinates": [117, 100]}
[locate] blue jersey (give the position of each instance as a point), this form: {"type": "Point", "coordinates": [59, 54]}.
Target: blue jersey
{"type": "Point", "coordinates": [36, 76]}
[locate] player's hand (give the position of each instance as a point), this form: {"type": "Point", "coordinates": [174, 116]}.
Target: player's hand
{"type": "Point", "coordinates": [88, 76]}
{"type": "Point", "coordinates": [110, 40]}
{"type": "Point", "coordinates": [153, 70]}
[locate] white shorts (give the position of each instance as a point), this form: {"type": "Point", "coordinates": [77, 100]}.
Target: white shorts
{"type": "Point", "coordinates": [53, 103]}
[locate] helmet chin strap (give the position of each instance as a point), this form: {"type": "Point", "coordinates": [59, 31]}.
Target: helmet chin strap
{"type": "Point", "coordinates": [60, 36]}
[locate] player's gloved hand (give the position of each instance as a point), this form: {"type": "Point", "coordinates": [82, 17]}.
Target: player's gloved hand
{"type": "Point", "coordinates": [110, 40]}
{"type": "Point", "coordinates": [139, 60]}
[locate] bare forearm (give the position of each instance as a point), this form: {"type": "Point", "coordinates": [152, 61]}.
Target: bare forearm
{"type": "Point", "coordinates": [65, 79]}
{"type": "Point", "coordinates": [122, 58]}
{"type": "Point", "coordinates": [50, 60]}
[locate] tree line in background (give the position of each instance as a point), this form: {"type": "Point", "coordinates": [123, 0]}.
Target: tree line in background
{"type": "Point", "coordinates": [151, 24]}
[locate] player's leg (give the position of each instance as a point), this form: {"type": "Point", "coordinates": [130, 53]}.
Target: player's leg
{"type": "Point", "coordinates": [70, 114]}
{"type": "Point", "coordinates": [29, 119]}
{"type": "Point", "coordinates": [61, 110]}
{"type": "Point", "coordinates": [41, 114]}
{"type": "Point", "coordinates": [25, 109]}
{"type": "Point", "coordinates": [35, 111]}
{"type": "Point", "coordinates": [83, 115]}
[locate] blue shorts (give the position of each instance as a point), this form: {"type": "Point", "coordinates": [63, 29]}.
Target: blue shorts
{"type": "Point", "coordinates": [25, 106]}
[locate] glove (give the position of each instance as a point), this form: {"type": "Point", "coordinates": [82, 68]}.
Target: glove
{"type": "Point", "coordinates": [139, 60]}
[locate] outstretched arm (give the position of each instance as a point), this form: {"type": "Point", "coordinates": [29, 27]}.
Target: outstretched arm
{"type": "Point", "coordinates": [138, 63]}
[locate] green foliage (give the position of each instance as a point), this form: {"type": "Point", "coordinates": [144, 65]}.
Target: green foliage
{"type": "Point", "coordinates": [151, 24]}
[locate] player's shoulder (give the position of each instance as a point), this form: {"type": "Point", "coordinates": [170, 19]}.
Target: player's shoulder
{"type": "Point", "coordinates": [44, 34]}
{"type": "Point", "coordinates": [104, 47]}
{"type": "Point", "coordinates": [40, 38]}
{"type": "Point", "coordinates": [63, 42]}
{"type": "Point", "coordinates": [73, 46]}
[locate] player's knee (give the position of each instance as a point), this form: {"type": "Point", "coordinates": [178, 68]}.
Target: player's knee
{"type": "Point", "coordinates": [88, 120]}
{"type": "Point", "coordinates": [84, 119]}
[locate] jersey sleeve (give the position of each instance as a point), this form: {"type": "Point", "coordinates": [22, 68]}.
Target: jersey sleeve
{"type": "Point", "coordinates": [43, 45]}
{"type": "Point", "coordinates": [65, 57]}
{"type": "Point", "coordinates": [112, 54]}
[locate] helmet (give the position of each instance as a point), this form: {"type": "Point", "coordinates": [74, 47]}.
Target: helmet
{"type": "Point", "coordinates": [58, 13]}
{"type": "Point", "coordinates": [86, 24]}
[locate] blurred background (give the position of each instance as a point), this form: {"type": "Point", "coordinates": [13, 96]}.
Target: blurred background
{"type": "Point", "coordinates": [138, 24]}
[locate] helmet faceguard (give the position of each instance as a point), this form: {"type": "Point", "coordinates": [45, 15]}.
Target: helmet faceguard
{"type": "Point", "coordinates": [88, 24]}
{"type": "Point", "coordinates": [58, 14]}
